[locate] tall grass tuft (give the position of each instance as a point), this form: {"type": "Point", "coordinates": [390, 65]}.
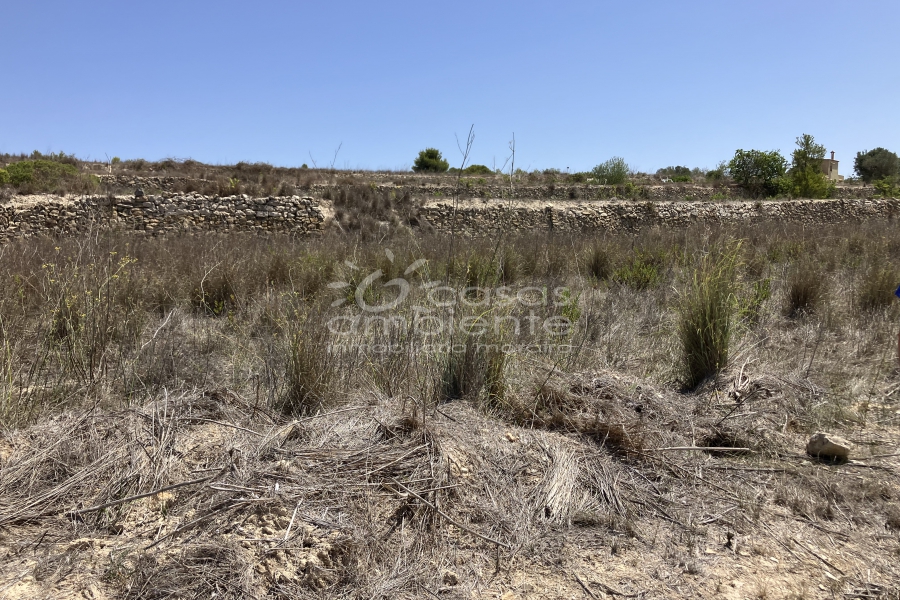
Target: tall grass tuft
{"type": "Point", "coordinates": [599, 264]}
{"type": "Point", "coordinates": [877, 288]}
{"type": "Point", "coordinates": [705, 316]}
{"type": "Point", "coordinates": [804, 290]}
{"type": "Point", "coordinates": [462, 375]}
{"type": "Point", "coordinates": [309, 371]}
{"type": "Point", "coordinates": [495, 385]}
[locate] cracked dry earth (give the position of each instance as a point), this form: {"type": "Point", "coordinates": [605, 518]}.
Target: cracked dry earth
{"type": "Point", "coordinates": [202, 495]}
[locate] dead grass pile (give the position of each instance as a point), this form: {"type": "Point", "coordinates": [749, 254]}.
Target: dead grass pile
{"type": "Point", "coordinates": [206, 492]}
{"type": "Point", "coordinates": [181, 428]}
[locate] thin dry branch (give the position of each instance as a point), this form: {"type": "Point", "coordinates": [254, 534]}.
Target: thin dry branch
{"type": "Point", "coordinates": [450, 519]}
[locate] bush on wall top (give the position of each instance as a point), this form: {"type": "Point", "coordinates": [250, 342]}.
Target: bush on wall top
{"type": "Point", "coordinates": [612, 172]}
{"type": "Point", "coordinates": [759, 172]}
{"type": "Point", "coordinates": [47, 176]}
{"type": "Point", "coordinates": [430, 161]}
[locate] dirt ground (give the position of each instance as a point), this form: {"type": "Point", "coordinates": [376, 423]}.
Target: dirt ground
{"type": "Point", "coordinates": [205, 495]}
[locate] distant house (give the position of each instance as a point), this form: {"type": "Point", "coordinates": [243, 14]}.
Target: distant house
{"type": "Point", "coordinates": [830, 168]}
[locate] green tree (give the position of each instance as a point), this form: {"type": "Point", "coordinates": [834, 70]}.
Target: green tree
{"type": "Point", "coordinates": [430, 161]}
{"type": "Point", "coordinates": [876, 164]}
{"type": "Point", "coordinates": [612, 172]}
{"type": "Point", "coordinates": [807, 178]}
{"type": "Point", "coordinates": [478, 170]}
{"type": "Point", "coordinates": [679, 170]}
{"type": "Point", "coordinates": [759, 172]}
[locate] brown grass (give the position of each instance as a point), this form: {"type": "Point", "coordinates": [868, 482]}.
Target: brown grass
{"type": "Point", "coordinates": [314, 464]}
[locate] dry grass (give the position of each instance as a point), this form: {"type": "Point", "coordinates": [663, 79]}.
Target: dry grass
{"type": "Point", "coordinates": [191, 387]}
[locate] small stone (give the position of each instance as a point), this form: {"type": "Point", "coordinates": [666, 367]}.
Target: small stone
{"type": "Point", "coordinates": [826, 445]}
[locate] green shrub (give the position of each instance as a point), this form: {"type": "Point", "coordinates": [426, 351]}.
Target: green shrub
{"type": "Point", "coordinates": [682, 179]}
{"type": "Point", "coordinates": [705, 315]}
{"type": "Point", "coordinates": [138, 164]}
{"type": "Point", "coordinates": [759, 172]}
{"type": "Point", "coordinates": [674, 172]}
{"type": "Point", "coordinates": [116, 160]}
{"type": "Point", "coordinates": [876, 164]}
{"type": "Point", "coordinates": [45, 175]}
{"type": "Point", "coordinates": [641, 272]}
{"type": "Point", "coordinates": [4, 177]}
{"type": "Point", "coordinates": [472, 170]}
{"type": "Point", "coordinates": [718, 173]}
{"type": "Point", "coordinates": [612, 172]}
{"type": "Point", "coordinates": [477, 170]}
{"type": "Point", "coordinates": [886, 188]}
{"type": "Point", "coordinates": [430, 161]}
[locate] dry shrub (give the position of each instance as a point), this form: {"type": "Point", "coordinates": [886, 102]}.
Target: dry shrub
{"type": "Point", "coordinates": [876, 290]}
{"type": "Point", "coordinates": [554, 405]}
{"type": "Point", "coordinates": [892, 518]}
{"type": "Point", "coordinates": [279, 270]}
{"type": "Point", "coordinates": [366, 209]}
{"type": "Point", "coordinates": [200, 570]}
{"type": "Point", "coordinates": [215, 295]}
{"type": "Point", "coordinates": [727, 437]}
{"type": "Point", "coordinates": [508, 268]}
{"type": "Point", "coordinates": [599, 262]}
{"type": "Point", "coordinates": [805, 289]}
{"type": "Point", "coordinates": [495, 384]}
{"type": "Point", "coordinates": [462, 374]}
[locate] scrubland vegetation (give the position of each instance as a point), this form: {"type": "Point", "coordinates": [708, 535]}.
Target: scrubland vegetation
{"type": "Point", "coordinates": [384, 411]}
{"type": "Point", "coordinates": [757, 174]}
{"type": "Point", "coordinates": [241, 415]}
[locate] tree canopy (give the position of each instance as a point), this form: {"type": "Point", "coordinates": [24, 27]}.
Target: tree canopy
{"type": "Point", "coordinates": [759, 172]}
{"type": "Point", "coordinates": [430, 161]}
{"type": "Point", "coordinates": [807, 178]}
{"type": "Point", "coordinates": [876, 164]}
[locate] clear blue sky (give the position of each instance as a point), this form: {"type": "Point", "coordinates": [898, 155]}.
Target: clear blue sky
{"type": "Point", "coordinates": [656, 82]}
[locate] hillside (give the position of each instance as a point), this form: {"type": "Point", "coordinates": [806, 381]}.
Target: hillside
{"type": "Point", "coordinates": [392, 407]}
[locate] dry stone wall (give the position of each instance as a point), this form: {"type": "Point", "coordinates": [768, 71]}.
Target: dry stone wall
{"type": "Point", "coordinates": [169, 213]}
{"type": "Point", "coordinates": [489, 218]}
{"type": "Point", "coordinates": [160, 214]}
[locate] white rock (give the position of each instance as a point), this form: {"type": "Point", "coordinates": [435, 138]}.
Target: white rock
{"type": "Point", "coordinates": [826, 445]}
